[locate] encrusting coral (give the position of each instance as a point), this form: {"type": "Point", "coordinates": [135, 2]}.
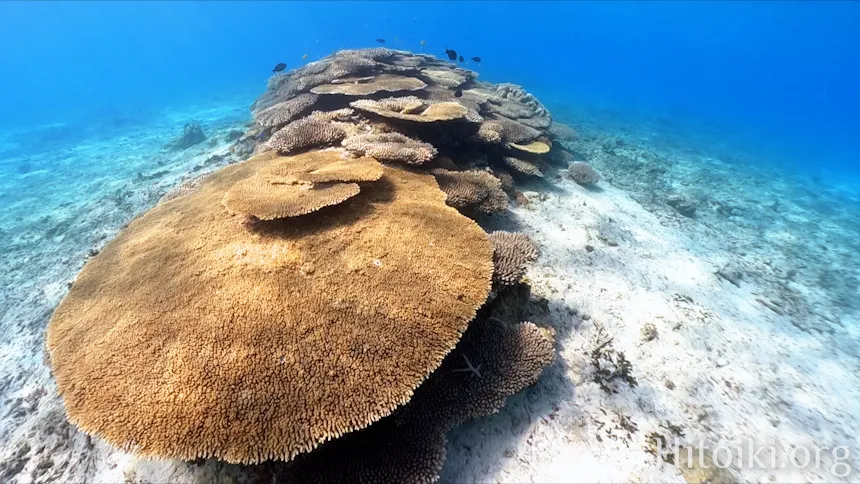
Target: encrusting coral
{"type": "Point", "coordinates": [311, 290]}
{"type": "Point", "coordinates": [493, 361]}
{"type": "Point", "coordinates": [194, 335]}
{"type": "Point", "coordinates": [512, 253]}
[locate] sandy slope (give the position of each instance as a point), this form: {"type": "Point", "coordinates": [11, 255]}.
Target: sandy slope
{"type": "Point", "coordinates": [721, 369]}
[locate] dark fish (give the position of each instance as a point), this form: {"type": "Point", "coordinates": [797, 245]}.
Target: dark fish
{"type": "Point", "coordinates": [461, 59]}
{"type": "Point", "coordinates": [458, 93]}
{"type": "Point", "coordinates": [452, 54]}
{"type": "Point", "coordinates": [476, 59]}
{"type": "Point", "coordinates": [381, 41]}
{"type": "Point", "coordinates": [278, 68]}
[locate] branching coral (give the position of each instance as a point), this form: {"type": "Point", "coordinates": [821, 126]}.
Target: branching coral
{"type": "Point", "coordinates": [192, 335]}
{"type": "Point", "coordinates": [409, 446]}
{"type": "Point", "coordinates": [472, 190]}
{"type": "Point", "coordinates": [323, 166]}
{"type": "Point", "coordinates": [562, 132]}
{"type": "Point", "coordinates": [512, 253]}
{"type": "Point", "coordinates": [391, 147]}
{"type": "Point", "coordinates": [304, 133]}
{"type": "Point", "coordinates": [523, 166]}
{"type": "Point", "coordinates": [582, 173]}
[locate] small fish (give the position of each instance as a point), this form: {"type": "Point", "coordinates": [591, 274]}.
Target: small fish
{"type": "Point", "coordinates": [452, 54]}
{"type": "Point", "coordinates": [381, 41]}
{"type": "Point", "coordinates": [458, 93]}
{"type": "Point", "coordinates": [304, 57]}
{"type": "Point", "coordinates": [395, 38]}
{"type": "Point", "coordinates": [423, 42]}
{"type": "Point", "coordinates": [278, 68]}
{"type": "Point", "coordinates": [461, 59]}
{"type": "Point", "coordinates": [476, 59]}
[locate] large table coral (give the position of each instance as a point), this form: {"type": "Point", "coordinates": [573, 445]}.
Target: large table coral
{"type": "Point", "coordinates": [193, 334]}
{"type": "Point", "coordinates": [307, 292]}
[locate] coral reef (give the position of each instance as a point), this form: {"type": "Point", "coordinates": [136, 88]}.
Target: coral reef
{"type": "Point", "coordinates": [248, 344]}
{"type": "Point", "coordinates": [582, 173]}
{"type": "Point", "coordinates": [305, 133]}
{"type": "Point", "coordinates": [305, 295]}
{"type": "Point", "coordinates": [493, 361]}
{"type": "Point", "coordinates": [473, 189]}
{"type": "Point", "coordinates": [512, 253]}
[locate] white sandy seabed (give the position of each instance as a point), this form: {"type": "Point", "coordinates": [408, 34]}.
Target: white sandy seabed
{"type": "Point", "coordinates": [740, 324]}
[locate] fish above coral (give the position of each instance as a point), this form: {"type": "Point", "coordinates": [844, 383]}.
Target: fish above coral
{"type": "Point", "coordinates": [323, 304]}
{"type": "Point", "coordinates": [279, 67]}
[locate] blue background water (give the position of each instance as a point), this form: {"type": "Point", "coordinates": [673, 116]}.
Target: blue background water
{"type": "Point", "coordinates": [783, 75]}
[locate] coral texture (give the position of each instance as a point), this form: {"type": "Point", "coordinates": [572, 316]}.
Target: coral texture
{"type": "Point", "coordinates": [493, 361]}
{"type": "Point", "coordinates": [413, 109]}
{"type": "Point", "coordinates": [582, 173]}
{"type": "Point", "coordinates": [473, 189]}
{"type": "Point", "coordinates": [193, 334]}
{"type": "Point", "coordinates": [304, 133]}
{"type": "Point", "coordinates": [370, 85]}
{"type": "Point", "coordinates": [391, 147]}
{"type": "Point", "coordinates": [523, 166]}
{"type": "Point", "coordinates": [285, 111]}
{"type": "Point", "coordinates": [512, 253]}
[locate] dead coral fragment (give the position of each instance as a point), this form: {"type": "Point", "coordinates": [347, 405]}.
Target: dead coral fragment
{"type": "Point", "coordinates": [192, 335]}
{"type": "Point", "coordinates": [582, 173]}
{"type": "Point", "coordinates": [411, 108]}
{"type": "Point", "coordinates": [409, 447]}
{"type": "Point", "coordinates": [523, 166]}
{"type": "Point", "coordinates": [391, 147]}
{"type": "Point", "coordinates": [472, 190]}
{"type": "Point", "coordinates": [269, 201]}
{"type": "Point", "coordinates": [512, 253]}
{"type": "Point", "coordinates": [304, 133]}
{"type": "Point", "coordinates": [362, 87]}
{"type": "Point", "coordinates": [285, 111]}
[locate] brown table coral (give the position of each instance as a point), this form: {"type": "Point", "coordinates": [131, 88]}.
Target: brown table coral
{"type": "Point", "coordinates": [192, 335]}
{"type": "Point", "coordinates": [306, 293]}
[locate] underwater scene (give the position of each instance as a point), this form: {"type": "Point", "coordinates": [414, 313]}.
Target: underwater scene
{"type": "Point", "coordinates": [412, 242]}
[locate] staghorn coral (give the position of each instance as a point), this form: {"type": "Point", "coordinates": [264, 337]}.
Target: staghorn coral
{"type": "Point", "coordinates": [411, 108]}
{"type": "Point", "coordinates": [472, 190]}
{"type": "Point", "coordinates": [363, 87]}
{"type": "Point", "coordinates": [304, 133]}
{"type": "Point", "coordinates": [266, 200]}
{"type": "Point", "coordinates": [193, 334]}
{"type": "Point", "coordinates": [523, 166]}
{"type": "Point", "coordinates": [409, 446]}
{"type": "Point", "coordinates": [535, 147]}
{"type": "Point", "coordinates": [512, 253]}
{"type": "Point", "coordinates": [582, 173]}
{"type": "Point", "coordinates": [391, 147]}
{"type": "Point", "coordinates": [285, 111]}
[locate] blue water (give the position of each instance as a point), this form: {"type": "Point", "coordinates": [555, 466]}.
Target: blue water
{"type": "Point", "coordinates": [780, 75]}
